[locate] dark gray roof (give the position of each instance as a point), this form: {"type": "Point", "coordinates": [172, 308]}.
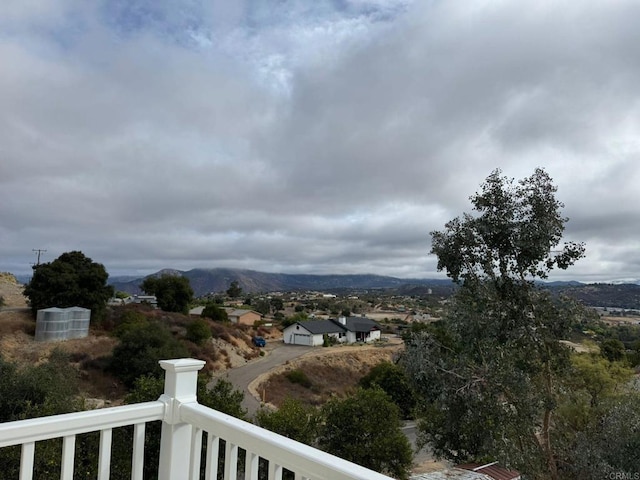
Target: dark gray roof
{"type": "Point", "coordinates": [353, 324]}
{"type": "Point", "coordinates": [361, 324]}
{"type": "Point", "coordinates": [322, 326]}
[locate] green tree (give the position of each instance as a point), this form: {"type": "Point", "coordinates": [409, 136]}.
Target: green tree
{"type": "Point", "coordinates": [173, 292]}
{"type": "Point", "coordinates": [598, 377]}
{"type": "Point", "coordinates": [296, 317]}
{"type": "Point", "coordinates": [198, 331]}
{"type": "Point", "coordinates": [222, 396]}
{"type": "Point", "coordinates": [293, 420]}
{"type": "Point", "coordinates": [608, 446]}
{"type": "Point", "coordinates": [262, 306]}
{"type": "Point", "coordinates": [276, 304]}
{"type": "Point", "coordinates": [490, 377]}
{"type": "Point", "coordinates": [215, 313]}
{"type": "Point", "coordinates": [39, 390]}
{"type": "Point", "coordinates": [234, 290]}
{"type": "Point", "coordinates": [612, 349]}
{"type": "Point", "coordinates": [592, 434]}
{"type": "Point", "coordinates": [48, 388]}
{"type": "Point", "coordinates": [366, 429]}
{"type": "Point", "coordinates": [141, 347]}
{"type": "Point", "coordinates": [394, 381]}
{"type": "Point", "coordinates": [70, 280]}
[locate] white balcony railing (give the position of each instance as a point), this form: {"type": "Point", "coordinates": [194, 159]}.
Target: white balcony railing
{"type": "Point", "coordinates": [184, 422]}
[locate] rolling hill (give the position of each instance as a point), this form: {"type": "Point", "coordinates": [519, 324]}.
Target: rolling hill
{"type": "Point", "coordinates": [216, 280]}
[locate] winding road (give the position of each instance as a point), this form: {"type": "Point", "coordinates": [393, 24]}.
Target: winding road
{"type": "Point", "coordinates": [276, 354]}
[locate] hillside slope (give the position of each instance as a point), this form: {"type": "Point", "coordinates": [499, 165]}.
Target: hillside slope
{"type": "Point", "coordinates": [11, 291]}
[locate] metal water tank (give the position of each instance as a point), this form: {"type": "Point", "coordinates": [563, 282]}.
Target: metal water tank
{"type": "Point", "coordinates": [51, 324]}
{"type": "Point", "coordinates": [78, 318]}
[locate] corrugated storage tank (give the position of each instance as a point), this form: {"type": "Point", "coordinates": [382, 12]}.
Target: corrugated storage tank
{"type": "Point", "coordinates": [78, 322]}
{"type": "Point", "coordinates": [51, 324]}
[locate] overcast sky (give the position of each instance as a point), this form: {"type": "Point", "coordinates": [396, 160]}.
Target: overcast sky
{"type": "Point", "coordinates": [318, 136]}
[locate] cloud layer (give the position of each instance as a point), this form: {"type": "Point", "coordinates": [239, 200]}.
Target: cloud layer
{"type": "Point", "coordinates": [315, 137]}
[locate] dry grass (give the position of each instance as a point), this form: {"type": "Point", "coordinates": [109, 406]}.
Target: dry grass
{"type": "Point", "coordinates": [11, 291]}
{"type": "Point", "coordinates": [90, 355]}
{"type": "Point", "coordinates": [332, 373]}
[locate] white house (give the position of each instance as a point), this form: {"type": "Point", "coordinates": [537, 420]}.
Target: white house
{"type": "Point", "coordinates": [344, 330]}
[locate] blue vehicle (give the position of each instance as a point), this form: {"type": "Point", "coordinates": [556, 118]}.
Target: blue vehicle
{"type": "Point", "coordinates": [259, 341]}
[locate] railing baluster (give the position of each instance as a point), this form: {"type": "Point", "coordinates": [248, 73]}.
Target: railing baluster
{"type": "Point", "coordinates": [251, 464]}
{"type": "Point", "coordinates": [104, 457]}
{"type": "Point", "coordinates": [184, 422]}
{"type": "Point", "coordinates": [213, 453]}
{"type": "Point", "coordinates": [231, 461]}
{"type": "Point", "coordinates": [275, 471]}
{"type": "Point", "coordinates": [68, 452]}
{"type": "Point", "coordinates": [26, 460]}
{"type": "Point", "coordinates": [196, 453]}
{"type": "Point", "coordinates": [137, 457]}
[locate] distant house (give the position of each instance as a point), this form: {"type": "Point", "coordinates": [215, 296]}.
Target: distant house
{"type": "Point", "coordinates": [343, 330]}
{"type": "Point", "coordinates": [243, 317]}
{"type": "Point", "coordinates": [196, 311]}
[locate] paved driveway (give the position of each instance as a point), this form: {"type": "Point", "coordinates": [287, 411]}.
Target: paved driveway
{"type": "Point", "coordinates": [277, 353]}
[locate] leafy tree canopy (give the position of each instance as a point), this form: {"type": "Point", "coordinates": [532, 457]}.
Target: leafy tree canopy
{"type": "Point", "coordinates": [293, 420]}
{"type": "Point", "coordinates": [70, 280]}
{"type": "Point", "coordinates": [394, 381]}
{"type": "Point", "coordinates": [516, 232]}
{"type": "Point", "coordinates": [44, 389]}
{"type": "Point", "coordinates": [612, 349]}
{"type": "Point", "coordinates": [489, 374]}
{"type": "Point", "coordinates": [215, 313]}
{"type": "Point", "coordinates": [48, 388]}
{"type": "Point", "coordinates": [173, 292]}
{"type": "Point", "coordinates": [296, 317]}
{"type": "Point", "coordinates": [234, 290]}
{"type": "Point", "coordinates": [222, 396]}
{"type": "Point", "coordinates": [198, 331]}
{"type": "Point", "coordinates": [366, 429]}
{"type": "Point", "coordinates": [142, 346]}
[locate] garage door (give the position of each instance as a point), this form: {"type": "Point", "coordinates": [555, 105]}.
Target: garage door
{"type": "Point", "coordinates": [300, 339]}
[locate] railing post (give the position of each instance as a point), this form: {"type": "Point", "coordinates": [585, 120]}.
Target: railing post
{"type": "Point", "coordinates": [180, 386]}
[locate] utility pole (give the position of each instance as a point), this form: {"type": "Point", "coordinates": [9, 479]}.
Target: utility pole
{"type": "Point", "coordinates": [39, 251]}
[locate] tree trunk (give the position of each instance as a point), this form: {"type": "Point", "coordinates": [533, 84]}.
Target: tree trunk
{"type": "Point", "coordinates": [546, 422]}
{"type": "Point", "coordinates": [546, 445]}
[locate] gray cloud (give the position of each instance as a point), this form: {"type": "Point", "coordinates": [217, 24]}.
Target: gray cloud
{"type": "Point", "coordinates": [313, 138]}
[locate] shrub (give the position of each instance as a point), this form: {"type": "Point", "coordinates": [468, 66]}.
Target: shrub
{"type": "Point", "coordinates": [140, 349]}
{"type": "Point", "coordinates": [129, 319]}
{"type": "Point", "coordinates": [293, 419]}
{"type": "Point", "coordinates": [299, 377]}
{"type": "Point", "coordinates": [215, 313]}
{"type": "Point", "coordinates": [198, 331]}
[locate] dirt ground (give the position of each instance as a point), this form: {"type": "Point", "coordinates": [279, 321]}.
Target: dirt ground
{"type": "Point", "coordinates": [333, 371]}
{"type": "Point", "coordinates": [11, 291]}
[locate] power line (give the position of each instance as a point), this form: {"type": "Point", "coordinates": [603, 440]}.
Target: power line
{"type": "Point", "coordinates": [39, 251]}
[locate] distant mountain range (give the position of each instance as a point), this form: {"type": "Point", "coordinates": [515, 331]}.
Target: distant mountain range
{"type": "Point", "coordinates": [217, 280]}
